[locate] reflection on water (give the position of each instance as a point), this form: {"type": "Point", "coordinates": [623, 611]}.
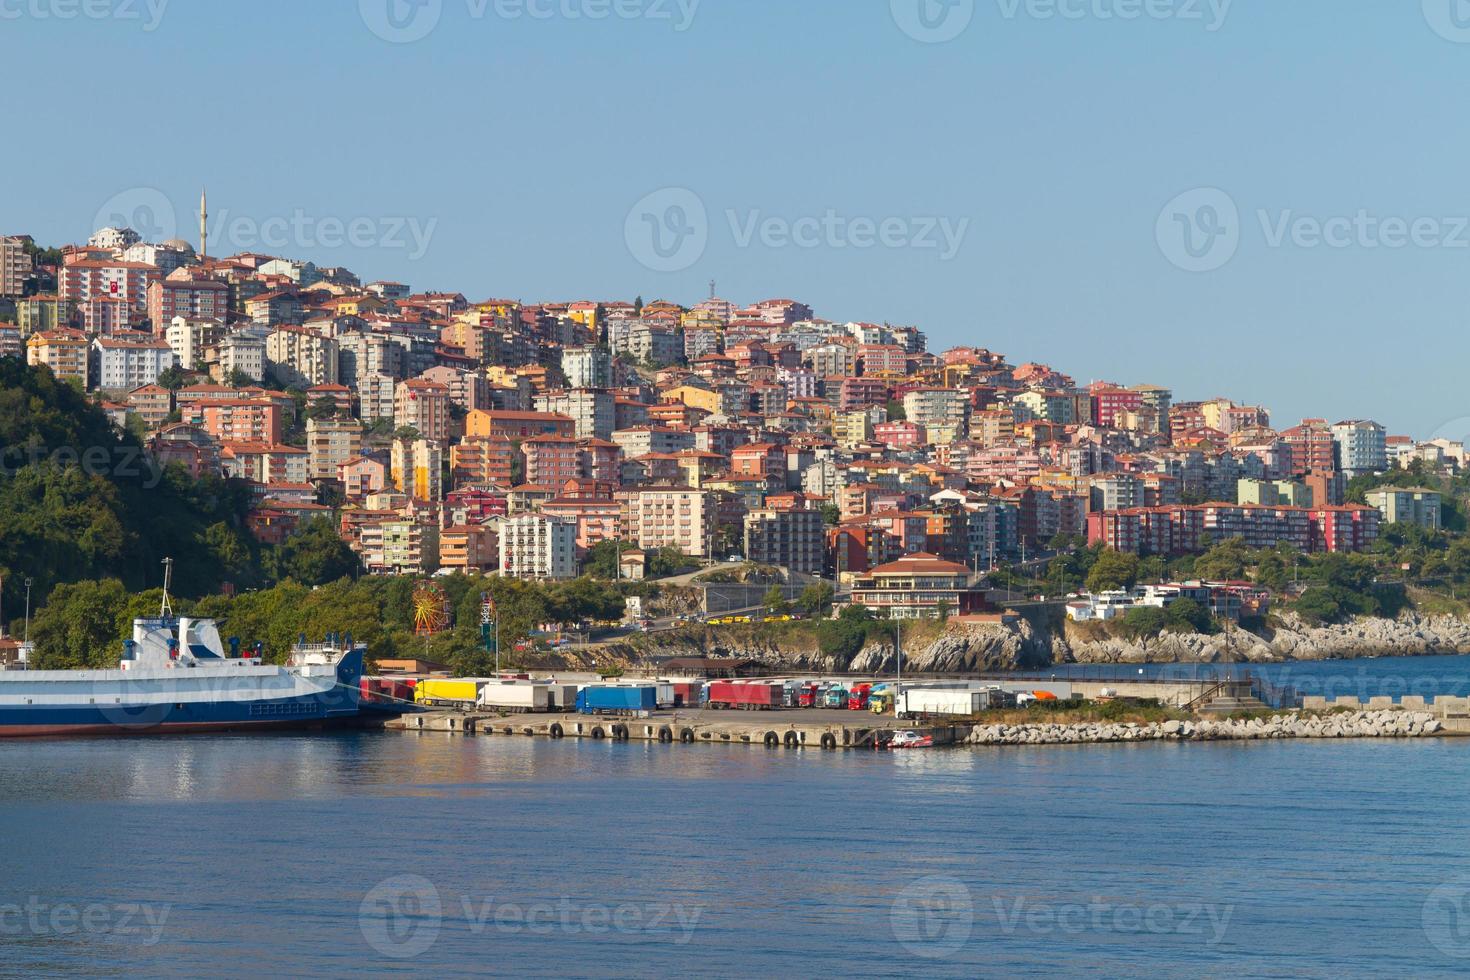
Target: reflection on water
{"type": "Point", "coordinates": [289, 854]}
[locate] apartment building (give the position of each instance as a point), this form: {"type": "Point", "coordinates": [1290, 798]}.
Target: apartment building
{"type": "Point", "coordinates": [671, 517]}
{"type": "Point", "coordinates": [791, 539]}
{"type": "Point", "coordinates": [1361, 447]}
{"type": "Point", "coordinates": [15, 265]}
{"type": "Point", "coordinates": [331, 442]}
{"type": "Point", "coordinates": [63, 351]}
{"type": "Point", "coordinates": [1417, 506]}
{"type": "Point", "coordinates": [534, 546]}
{"type": "Point", "coordinates": [301, 357]}
{"type": "Point", "coordinates": [422, 405]}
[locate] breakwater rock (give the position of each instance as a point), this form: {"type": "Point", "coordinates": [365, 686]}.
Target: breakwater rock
{"type": "Point", "coordinates": [1361, 724]}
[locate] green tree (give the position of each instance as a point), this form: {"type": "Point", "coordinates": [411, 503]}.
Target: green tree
{"type": "Point", "coordinates": [1187, 616]}
{"type": "Point", "coordinates": [815, 600]}
{"type": "Point", "coordinates": [78, 626]}
{"type": "Point", "coordinates": [315, 555]}
{"type": "Point", "coordinates": [1141, 622]}
{"type": "Point", "coordinates": [1113, 570]}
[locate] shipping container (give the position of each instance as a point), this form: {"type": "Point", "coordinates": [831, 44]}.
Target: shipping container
{"type": "Point", "coordinates": [512, 696]}
{"type": "Point", "coordinates": [747, 695]}
{"type": "Point", "coordinates": [610, 699]}
{"type": "Point", "coordinates": [439, 691]}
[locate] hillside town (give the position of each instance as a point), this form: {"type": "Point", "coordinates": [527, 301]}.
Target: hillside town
{"type": "Point", "coordinates": [444, 432]}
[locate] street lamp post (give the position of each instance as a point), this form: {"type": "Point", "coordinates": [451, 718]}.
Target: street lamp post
{"type": "Point", "coordinates": [27, 639]}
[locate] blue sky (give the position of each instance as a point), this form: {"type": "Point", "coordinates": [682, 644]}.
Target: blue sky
{"type": "Point", "coordinates": [1048, 137]}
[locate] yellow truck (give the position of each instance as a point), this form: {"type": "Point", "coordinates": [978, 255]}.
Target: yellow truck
{"type": "Point", "coordinates": [881, 702]}
{"type": "Point", "coordinates": [443, 692]}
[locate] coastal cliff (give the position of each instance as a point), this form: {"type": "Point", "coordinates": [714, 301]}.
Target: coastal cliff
{"type": "Point", "coordinates": [967, 647]}
{"type": "Point", "coordinates": [1289, 638]}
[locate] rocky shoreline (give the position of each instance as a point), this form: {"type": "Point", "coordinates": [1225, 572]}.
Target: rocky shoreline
{"type": "Point", "coordinates": [1410, 635]}
{"type": "Point", "coordinates": [1361, 724]}
{"type": "Point", "coordinates": [980, 647]}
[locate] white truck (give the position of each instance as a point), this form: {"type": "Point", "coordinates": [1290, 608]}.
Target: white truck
{"type": "Point", "coordinates": [516, 696]}
{"type": "Point", "coordinates": [916, 702]}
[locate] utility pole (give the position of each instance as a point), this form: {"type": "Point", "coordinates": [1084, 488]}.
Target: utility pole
{"type": "Point", "coordinates": [27, 638]}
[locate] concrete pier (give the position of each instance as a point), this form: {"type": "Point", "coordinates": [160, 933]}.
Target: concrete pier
{"type": "Point", "coordinates": [775, 729]}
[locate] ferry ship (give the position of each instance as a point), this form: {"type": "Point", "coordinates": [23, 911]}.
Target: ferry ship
{"type": "Point", "coordinates": [175, 676]}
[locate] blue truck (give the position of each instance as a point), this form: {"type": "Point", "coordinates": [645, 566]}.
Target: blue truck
{"type": "Point", "coordinates": [616, 700]}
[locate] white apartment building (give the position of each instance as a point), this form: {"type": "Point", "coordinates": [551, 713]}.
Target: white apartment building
{"type": "Point", "coordinates": [122, 365]}
{"type": "Point", "coordinates": [534, 546]}
{"type": "Point", "coordinates": [244, 353]}
{"type": "Point", "coordinates": [587, 367]}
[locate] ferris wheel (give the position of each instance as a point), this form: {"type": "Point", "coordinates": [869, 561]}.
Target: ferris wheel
{"type": "Point", "coordinates": [430, 609]}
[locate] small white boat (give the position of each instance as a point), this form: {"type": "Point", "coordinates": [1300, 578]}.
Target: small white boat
{"type": "Point", "coordinates": [911, 740]}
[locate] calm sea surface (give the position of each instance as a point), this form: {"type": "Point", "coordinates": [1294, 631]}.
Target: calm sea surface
{"type": "Point", "coordinates": [436, 854]}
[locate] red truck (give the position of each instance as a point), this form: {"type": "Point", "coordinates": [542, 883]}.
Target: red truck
{"type": "Point", "coordinates": [857, 697]}
{"type": "Point", "coordinates": [751, 697]}
{"type": "Point", "coordinates": [807, 696]}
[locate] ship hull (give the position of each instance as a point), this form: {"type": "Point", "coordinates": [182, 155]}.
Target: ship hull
{"type": "Point", "coordinates": [234, 697]}
{"type": "Point", "coordinates": [175, 719]}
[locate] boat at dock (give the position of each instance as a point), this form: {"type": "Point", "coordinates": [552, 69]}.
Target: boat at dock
{"type": "Point", "coordinates": [176, 677]}
{"type": "Point", "coordinates": [910, 740]}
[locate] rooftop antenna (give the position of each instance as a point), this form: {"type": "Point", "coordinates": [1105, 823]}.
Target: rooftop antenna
{"type": "Point", "coordinates": [165, 609]}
